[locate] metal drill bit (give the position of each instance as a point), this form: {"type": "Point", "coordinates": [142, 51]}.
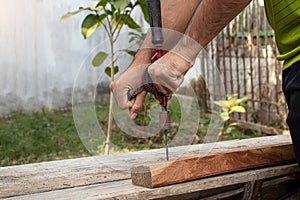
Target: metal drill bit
{"type": "Point", "coordinates": [167, 145]}
{"type": "Point", "coordinates": [165, 122]}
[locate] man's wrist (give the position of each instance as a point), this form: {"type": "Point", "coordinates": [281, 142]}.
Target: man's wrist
{"type": "Point", "coordinates": [176, 62]}
{"type": "Point", "coordinates": [143, 56]}
{"type": "Point", "coordinates": [188, 49]}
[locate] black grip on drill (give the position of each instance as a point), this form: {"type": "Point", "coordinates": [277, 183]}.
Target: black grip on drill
{"type": "Point", "coordinates": [154, 12]}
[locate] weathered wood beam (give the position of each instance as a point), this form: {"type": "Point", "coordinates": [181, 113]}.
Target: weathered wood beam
{"type": "Point", "coordinates": [60, 175]}
{"type": "Point", "coordinates": [225, 195]}
{"type": "Point", "coordinates": [124, 190]}
{"type": "Point", "coordinates": [190, 168]}
{"type": "Point", "coordinates": [280, 187]}
{"type": "Point", "coordinates": [252, 190]}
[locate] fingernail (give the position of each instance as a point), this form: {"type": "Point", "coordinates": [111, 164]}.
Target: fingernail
{"type": "Point", "coordinates": [133, 116]}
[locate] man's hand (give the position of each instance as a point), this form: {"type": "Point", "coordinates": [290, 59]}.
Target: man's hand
{"type": "Point", "coordinates": [167, 74]}
{"type": "Point", "coordinates": [130, 83]}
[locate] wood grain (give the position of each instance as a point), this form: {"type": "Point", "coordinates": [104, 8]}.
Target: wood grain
{"type": "Point", "coordinates": [124, 190]}
{"type": "Point", "coordinates": [77, 173]}
{"type": "Point", "coordinates": [189, 168]}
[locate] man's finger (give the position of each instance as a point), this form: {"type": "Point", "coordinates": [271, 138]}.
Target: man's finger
{"type": "Point", "coordinates": [121, 97]}
{"type": "Point", "coordinates": [138, 105]}
{"type": "Point", "coordinates": [112, 86]}
{"type": "Point", "coordinates": [131, 103]}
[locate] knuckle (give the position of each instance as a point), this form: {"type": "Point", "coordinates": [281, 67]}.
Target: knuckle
{"type": "Point", "coordinates": [137, 108]}
{"type": "Point", "coordinates": [151, 70]}
{"type": "Point", "coordinates": [111, 86]}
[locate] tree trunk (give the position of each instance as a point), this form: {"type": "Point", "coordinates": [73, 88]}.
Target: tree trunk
{"type": "Point", "coordinates": [109, 125]}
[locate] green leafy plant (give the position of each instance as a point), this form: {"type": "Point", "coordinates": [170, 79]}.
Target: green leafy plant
{"type": "Point", "coordinates": [112, 15]}
{"type": "Point", "coordinates": [228, 107]}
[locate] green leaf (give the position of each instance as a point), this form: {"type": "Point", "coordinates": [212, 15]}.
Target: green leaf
{"type": "Point", "coordinates": [120, 4]}
{"type": "Point", "coordinates": [132, 53]}
{"type": "Point", "coordinates": [231, 96]}
{"type": "Point", "coordinates": [242, 100]}
{"type": "Point", "coordinates": [102, 18]}
{"type": "Point", "coordinates": [91, 23]}
{"type": "Point", "coordinates": [144, 8]}
{"type": "Point", "coordinates": [109, 12]}
{"type": "Point", "coordinates": [224, 116]}
{"type": "Point", "coordinates": [131, 23]}
{"type": "Point", "coordinates": [99, 58]}
{"type": "Point", "coordinates": [136, 37]}
{"type": "Point", "coordinates": [108, 70]}
{"type": "Point", "coordinates": [98, 8]}
{"type": "Point", "coordinates": [101, 3]}
{"type": "Point", "coordinates": [70, 14]}
{"type": "Point", "coordinates": [215, 112]}
{"type": "Point", "coordinates": [240, 109]}
{"type": "Point", "coordinates": [134, 34]}
{"type": "Point", "coordinates": [222, 103]}
{"type": "Point", "coordinates": [121, 19]}
{"type": "Point", "coordinates": [233, 124]}
{"type": "Point", "coordinates": [112, 8]}
{"type": "Point", "coordinates": [118, 20]}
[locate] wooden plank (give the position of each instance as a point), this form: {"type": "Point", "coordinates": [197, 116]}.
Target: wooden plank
{"type": "Point", "coordinates": [257, 190]}
{"type": "Point", "coordinates": [278, 188]}
{"type": "Point", "coordinates": [189, 168]}
{"type": "Point", "coordinates": [248, 190]}
{"type": "Point", "coordinates": [57, 175]}
{"type": "Point", "coordinates": [124, 190]}
{"type": "Point", "coordinates": [295, 196]}
{"type": "Point", "coordinates": [252, 190]}
{"type": "Point", "coordinates": [48, 176]}
{"type": "Point", "coordinates": [225, 195]}
{"type": "Point", "coordinates": [215, 193]}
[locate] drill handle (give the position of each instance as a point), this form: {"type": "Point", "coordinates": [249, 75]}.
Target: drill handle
{"type": "Point", "coordinates": [154, 12]}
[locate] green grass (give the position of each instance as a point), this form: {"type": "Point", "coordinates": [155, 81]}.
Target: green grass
{"type": "Point", "coordinates": [39, 137]}
{"type": "Point", "coordinates": [52, 136]}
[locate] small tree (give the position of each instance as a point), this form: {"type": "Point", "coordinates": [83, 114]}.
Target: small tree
{"type": "Point", "coordinates": [112, 15]}
{"type": "Point", "coordinates": [230, 106]}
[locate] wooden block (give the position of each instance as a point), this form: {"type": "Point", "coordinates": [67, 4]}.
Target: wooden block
{"type": "Point", "coordinates": [189, 168]}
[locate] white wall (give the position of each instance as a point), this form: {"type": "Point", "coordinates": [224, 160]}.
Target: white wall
{"type": "Point", "coordinates": [40, 55]}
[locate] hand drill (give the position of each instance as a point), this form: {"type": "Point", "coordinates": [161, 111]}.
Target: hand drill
{"type": "Point", "coordinates": [154, 11]}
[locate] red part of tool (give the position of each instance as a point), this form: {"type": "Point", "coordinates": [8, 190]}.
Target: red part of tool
{"type": "Point", "coordinates": [158, 54]}
{"type": "Point", "coordinates": [151, 88]}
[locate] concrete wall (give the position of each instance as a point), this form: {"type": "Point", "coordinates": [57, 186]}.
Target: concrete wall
{"type": "Point", "coordinates": [40, 56]}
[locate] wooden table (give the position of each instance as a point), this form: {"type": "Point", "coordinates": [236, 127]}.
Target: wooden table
{"type": "Point", "coordinates": [108, 177]}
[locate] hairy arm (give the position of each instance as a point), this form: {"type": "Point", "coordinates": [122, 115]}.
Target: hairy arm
{"type": "Point", "coordinates": [176, 15]}
{"type": "Point", "coordinates": [208, 20]}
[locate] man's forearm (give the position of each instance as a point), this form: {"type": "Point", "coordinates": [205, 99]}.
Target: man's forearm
{"type": "Point", "coordinates": [208, 20]}
{"type": "Point", "coordinates": [176, 15]}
